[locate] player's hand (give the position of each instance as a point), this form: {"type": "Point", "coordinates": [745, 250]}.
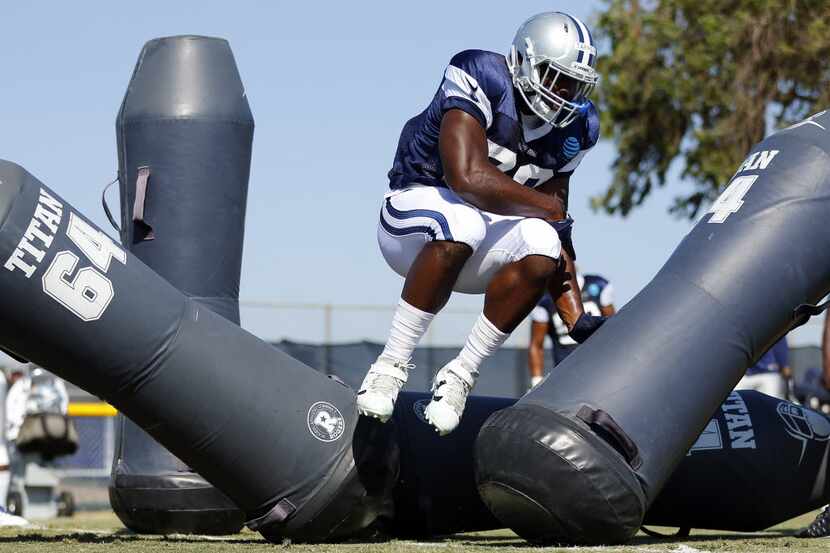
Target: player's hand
{"type": "Point", "coordinates": [563, 226]}
{"type": "Point", "coordinates": [585, 326]}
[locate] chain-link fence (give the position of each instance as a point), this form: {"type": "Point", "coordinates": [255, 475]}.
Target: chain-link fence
{"type": "Point", "coordinates": [325, 323]}
{"type": "Point", "coordinates": [505, 374]}
{"type": "Point", "coordinates": [340, 340]}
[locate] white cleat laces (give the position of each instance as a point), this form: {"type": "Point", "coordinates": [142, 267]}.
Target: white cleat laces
{"type": "Point", "coordinates": [380, 388]}
{"type": "Point", "coordinates": [450, 389]}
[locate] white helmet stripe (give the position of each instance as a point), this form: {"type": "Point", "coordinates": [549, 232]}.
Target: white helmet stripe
{"type": "Point", "coordinates": [589, 40]}
{"type": "Point", "coordinates": [584, 38]}
{"type": "Point", "coordinates": [580, 33]}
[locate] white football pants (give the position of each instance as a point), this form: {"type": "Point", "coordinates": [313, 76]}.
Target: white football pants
{"type": "Point", "coordinates": [415, 215]}
{"type": "Point", "coordinates": [771, 383]}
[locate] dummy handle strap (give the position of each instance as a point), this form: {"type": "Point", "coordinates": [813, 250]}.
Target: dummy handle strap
{"type": "Point", "coordinates": [107, 207]}
{"type": "Point", "coordinates": [803, 312]}
{"type": "Point", "coordinates": [145, 231]}
{"type": "Point", "coordinates": [608, 429]}
{"type": "Point", "coordinates": [278, 513]}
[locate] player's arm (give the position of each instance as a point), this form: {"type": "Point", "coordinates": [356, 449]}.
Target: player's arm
{"type": "Point", "coordinates": [782, 356]}
{"type": "Point", "coordinates": [463, 146]}
{"type": "Point", "coordinates": [564, 285]}
{"type": "Point", "coordinates": [559, 187]}
{"type": "Point", "coordinates": [565, 288]}
{"type": "Point", "coordinates": [536, 348]}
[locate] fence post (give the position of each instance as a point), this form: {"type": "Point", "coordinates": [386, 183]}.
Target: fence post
{"type": "Point", "coordinates": [327, 336]}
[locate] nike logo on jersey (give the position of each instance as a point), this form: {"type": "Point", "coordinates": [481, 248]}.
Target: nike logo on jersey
{"type": "Point", "coordinates": [473, 87]}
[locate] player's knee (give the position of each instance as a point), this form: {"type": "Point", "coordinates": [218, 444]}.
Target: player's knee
{"type": "Point", "coordinates": [536, 237]}
{"type": "Point", "coordinates": [467, 226]}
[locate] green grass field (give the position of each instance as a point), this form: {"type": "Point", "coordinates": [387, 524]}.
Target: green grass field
{"type": "Point", "coordinates": [101, 531]}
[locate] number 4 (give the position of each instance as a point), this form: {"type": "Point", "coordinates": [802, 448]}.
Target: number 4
{"type": "Point", "coordinates": [97, 246]}
{"type": "Point", "coordinates": [731, 199]}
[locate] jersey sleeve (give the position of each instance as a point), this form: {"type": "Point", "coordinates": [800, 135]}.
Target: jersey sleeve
{"type": "Point", "coordinates": [606, 297]}
{"type": "Point", "coordinates": [539, 315]}
{"type": "Point", "coordinates": [465, 85]}
{"type": "Point", "coordinates": [589, 139]}
{"type": "Point", "coordinates": [782, 353]}
{"type": "Point", "coordinates": [542, 312]}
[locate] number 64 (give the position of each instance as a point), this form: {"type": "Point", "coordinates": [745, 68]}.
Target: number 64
{"type": "Point", "coordinates": [88, 293]}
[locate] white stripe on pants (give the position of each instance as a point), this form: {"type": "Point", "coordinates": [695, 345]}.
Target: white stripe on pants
{"type": "Point", "coordinates": [496, 240]}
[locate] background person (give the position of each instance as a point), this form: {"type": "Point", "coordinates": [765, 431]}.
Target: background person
{"type": "Point", "coordinates": [6, 519]}
{"type": "Point", "coordinates": [597, 299]}
{"type": "Point", "coordinates": [771, 373]}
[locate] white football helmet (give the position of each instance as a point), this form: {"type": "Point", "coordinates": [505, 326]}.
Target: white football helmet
{"type": "Point", "coordinates": [553, 65]}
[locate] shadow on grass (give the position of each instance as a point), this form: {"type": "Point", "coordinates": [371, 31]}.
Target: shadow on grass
{"type": "Point", "coordinates": [478, 540]}
{"type": "Point", "coordinates": [712, 536]}
{"type": "Point", "coordinates": [122, 536]}
{"type": "Point", "coordinates": [517, 542]}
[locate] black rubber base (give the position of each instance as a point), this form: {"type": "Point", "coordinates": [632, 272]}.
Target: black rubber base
{"type": "Point", "coordinates": [553, 481]}
{"type": "Point", "coordinates": [173, 505]}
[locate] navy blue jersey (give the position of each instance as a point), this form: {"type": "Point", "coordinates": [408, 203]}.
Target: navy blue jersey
{"type": "Point", "coordinates": [775, 359]}
{"type": "Point", "coordinates": [479, 83]}
{"type": "Point", "coordinates": [597, 293]}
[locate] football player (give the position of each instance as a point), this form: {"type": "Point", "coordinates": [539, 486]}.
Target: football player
{"type": "Point", "coordinates": [478, 203]}
{"type": "Point", "coordinates": [820, 527]}
{"type": "Point", "coordinates": [6, 518]}
{"type": "Point", "coordinates": [597, 299]}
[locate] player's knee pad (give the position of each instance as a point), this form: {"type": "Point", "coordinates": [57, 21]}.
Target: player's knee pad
{"type": "Point", "coordinates": [536, 237]}
{"type": "Point", "coordinates": [467, 225]}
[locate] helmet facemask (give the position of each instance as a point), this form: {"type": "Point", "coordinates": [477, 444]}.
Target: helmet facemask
{"type": "Point", "coordinates": [541, 81]}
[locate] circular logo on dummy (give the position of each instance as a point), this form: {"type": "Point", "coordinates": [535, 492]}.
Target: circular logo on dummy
{"type": "Point", "coordinates": [804, 424]}
{"type": "Point", "coordinates": [325, 421]}
{"type": "Point", "coordinates": [593, 289]}
{"type": "Point", "coordinates": [419, 407]}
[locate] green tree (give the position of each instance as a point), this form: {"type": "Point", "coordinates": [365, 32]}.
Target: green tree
{"type": "Point", "coordinates": [701, 81]}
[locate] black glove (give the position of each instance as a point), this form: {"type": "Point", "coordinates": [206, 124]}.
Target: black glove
{"type": "Point", "coordinates": [585, 326]}
{"type": "Point", "coordinates": [564, 229]}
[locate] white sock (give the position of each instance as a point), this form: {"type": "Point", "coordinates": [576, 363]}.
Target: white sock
{"type": "Point", "coordinates": [534, 380]}
{"type": "Point", "coordinates": [482, 342]}
{"type": "Point", "coordinates": [409, 324]}
{"type": "Point", "coordinates": [5, 480]}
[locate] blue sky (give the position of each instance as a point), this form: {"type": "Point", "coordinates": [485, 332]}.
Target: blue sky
{"type": "Point", "coordinates": [330, 85]}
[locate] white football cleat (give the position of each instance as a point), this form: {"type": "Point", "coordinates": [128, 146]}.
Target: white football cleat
{"type": "Point", "coordinates": [450, 389]}
{"type": "Point", "coordinates": [8, 520]}
{"type": "Point", "coordinates": [380, 388]}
